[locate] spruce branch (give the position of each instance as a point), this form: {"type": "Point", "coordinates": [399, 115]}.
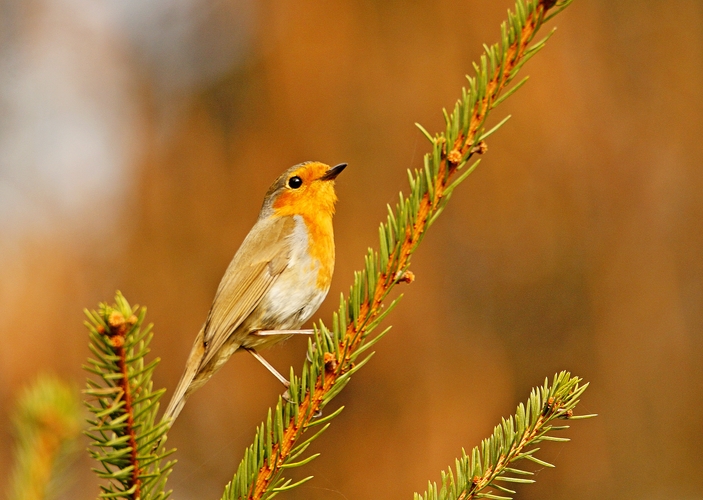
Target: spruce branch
{"type": "Point", "coordinates": [336, 353]}
{"type": "Point", "coordinates": [124, 405]}
{"type": "Point", "coordinates": [47, 422]}
{"type": "Point", "coordinates": [489, 469]}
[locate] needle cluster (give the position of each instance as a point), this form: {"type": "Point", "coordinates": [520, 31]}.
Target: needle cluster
{"type": "Point", "coordinates": [486, 472]}
{"type": "Point", "coordinates": [123, 429]}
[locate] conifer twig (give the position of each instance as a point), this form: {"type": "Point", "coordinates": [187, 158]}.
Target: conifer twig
{"type": "Point", "coordinates": [47, 423]}
{"type": "Point", "coordinates": [124, 428]}
{"type": "Point", "coordinates": [485, 472]}
{"type": "Point", "coordinates": [333, 356]}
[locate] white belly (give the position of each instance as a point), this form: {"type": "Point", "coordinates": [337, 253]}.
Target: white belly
{"type": "Point", "coordinates": [295, 296]}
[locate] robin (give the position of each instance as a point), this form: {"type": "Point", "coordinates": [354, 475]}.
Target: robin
{"type": "Point", "coordinates": [277, 279]}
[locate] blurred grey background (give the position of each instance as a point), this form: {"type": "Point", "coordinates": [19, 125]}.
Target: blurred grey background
{"type": "Point", "coordinates": [137, 140]}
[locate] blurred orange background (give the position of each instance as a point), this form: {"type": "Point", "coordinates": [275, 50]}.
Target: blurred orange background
{"type": "Point", "coordinates": [137, 140]}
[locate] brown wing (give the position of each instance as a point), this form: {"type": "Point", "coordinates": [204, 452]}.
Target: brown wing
{"type": "Point", "coordinates": [263, 256]}
{"type": "Point", "coordinates": [260, 260]}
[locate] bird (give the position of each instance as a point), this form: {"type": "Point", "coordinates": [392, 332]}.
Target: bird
{"type": "Point", "coordinates": [276, 280]}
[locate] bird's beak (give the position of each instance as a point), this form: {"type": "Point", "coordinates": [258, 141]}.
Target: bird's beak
{"type": "Point", "coordinates": [332, 173]}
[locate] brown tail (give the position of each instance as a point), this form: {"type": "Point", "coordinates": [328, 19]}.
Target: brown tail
{"type": "Point", "coordinates": [187, 384]}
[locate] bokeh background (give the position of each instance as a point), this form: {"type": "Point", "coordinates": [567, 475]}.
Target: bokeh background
{"type": "Point", "coordinates": [137, 140]}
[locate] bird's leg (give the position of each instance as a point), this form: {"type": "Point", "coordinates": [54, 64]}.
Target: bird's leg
{"type": "Point", "coordinates": [265, 333]}
{"type": "Point", "coordinates": [268, 366]}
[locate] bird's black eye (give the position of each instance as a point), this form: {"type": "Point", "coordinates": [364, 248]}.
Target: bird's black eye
{"type": "Point", "coordinates": [295, 182]}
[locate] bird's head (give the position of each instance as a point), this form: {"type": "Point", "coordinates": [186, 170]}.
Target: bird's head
{"type": "Point", "coordinates": [304, 189]}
